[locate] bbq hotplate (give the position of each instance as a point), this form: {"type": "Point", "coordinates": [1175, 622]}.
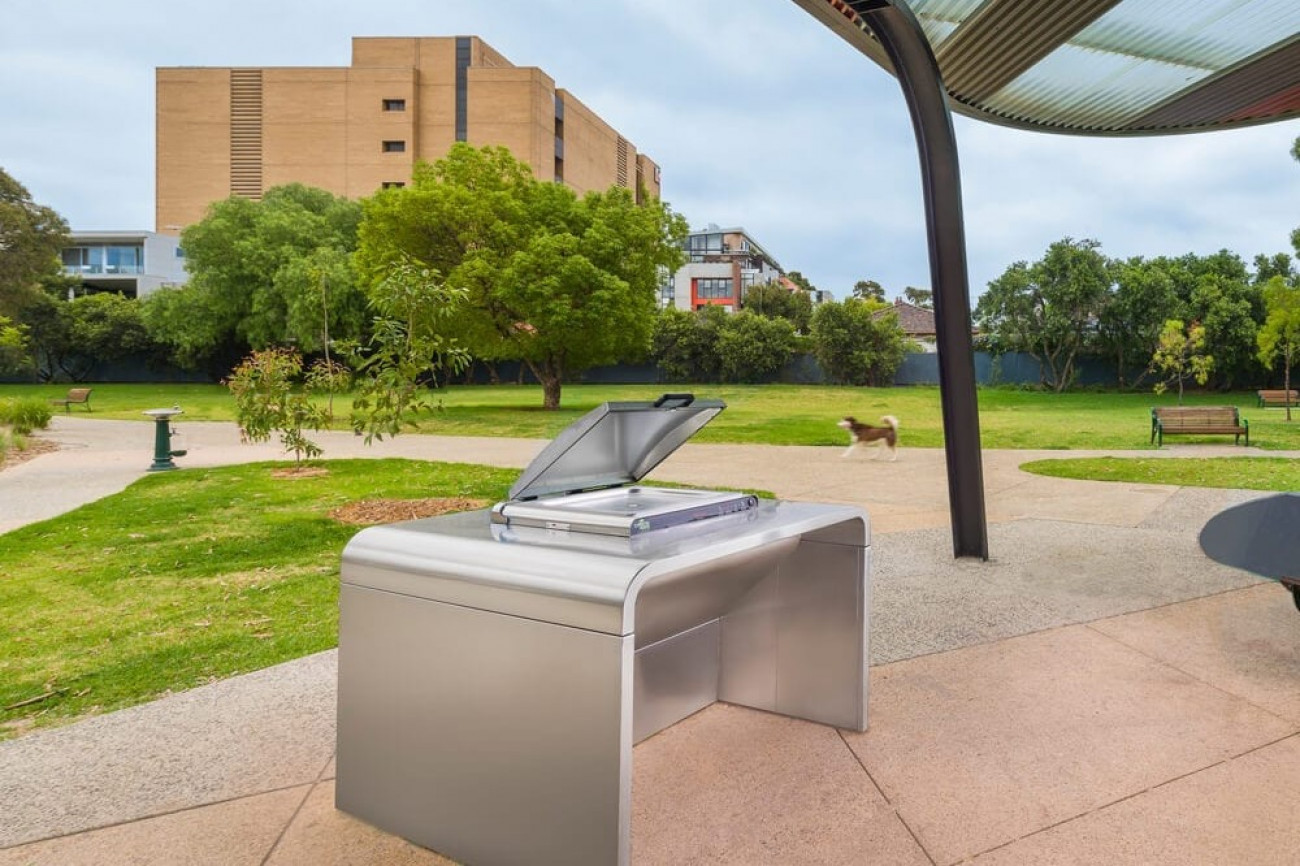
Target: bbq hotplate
{"type": "Point", "coordinates": [579, 482]}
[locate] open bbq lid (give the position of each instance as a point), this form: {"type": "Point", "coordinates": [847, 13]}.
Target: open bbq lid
{"type": "Point", "coordinates": [614, 444]}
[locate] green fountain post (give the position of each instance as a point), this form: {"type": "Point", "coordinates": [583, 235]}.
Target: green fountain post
{"type": "Point", "coordinates": [162, 438]}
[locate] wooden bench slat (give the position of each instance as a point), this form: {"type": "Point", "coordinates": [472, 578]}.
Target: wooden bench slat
{"type": "Point", "coordinates": [80, 396]}
{"type": "Point", "coordinates": [1198, 420]}
{"type": "Point", "coordinates": [1277, 397]}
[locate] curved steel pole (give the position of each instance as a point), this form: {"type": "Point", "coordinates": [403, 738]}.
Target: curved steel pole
{"type": "Point", "coordinates": [901, 36]}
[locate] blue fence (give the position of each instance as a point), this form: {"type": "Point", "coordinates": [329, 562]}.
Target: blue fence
{"type": "Point", "coordinates": [917, 369]}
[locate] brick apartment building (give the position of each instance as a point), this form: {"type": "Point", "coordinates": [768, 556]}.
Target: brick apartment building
{"type": "Point", "coordinates": [352, 130]}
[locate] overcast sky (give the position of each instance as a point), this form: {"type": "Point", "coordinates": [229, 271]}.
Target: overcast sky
{"type": "Point", "coordinates": [758, 115]}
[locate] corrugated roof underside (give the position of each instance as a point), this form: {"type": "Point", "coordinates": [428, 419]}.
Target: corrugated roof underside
{"type": "Point", "coordinates": [1106, 66]}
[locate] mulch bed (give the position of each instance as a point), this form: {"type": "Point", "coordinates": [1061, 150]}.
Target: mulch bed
{"type": "Point", "coordinates": [368, 512]}
{"type": "Point", "coordinates": [34, 448]}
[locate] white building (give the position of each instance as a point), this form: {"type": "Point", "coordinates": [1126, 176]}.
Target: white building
{"type": "Point", "coordinates": [722, 264]}
{"type": "Point", "coordinates": [131, 263]}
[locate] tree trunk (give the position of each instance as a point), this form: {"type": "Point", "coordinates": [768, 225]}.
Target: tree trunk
{"type": "Point", "coordinates": [550, 392]}
{"type": "Point", "coordinates": [1286, 382]}
{"type": "Point", "coordinates": [550, 375]}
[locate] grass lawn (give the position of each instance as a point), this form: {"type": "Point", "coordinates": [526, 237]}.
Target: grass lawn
{"type": "Point", "coordinates": [772, 414]}
{"type": "Point", "coordinates": [187, 577]}
{"type": "Point", "coordinates": [1242, 473]}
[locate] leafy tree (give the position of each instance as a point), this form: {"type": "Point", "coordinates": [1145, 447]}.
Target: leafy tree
{"type": "Point", "coordinates": [923, 298]}
{"type": "Point", "coordinates": [13, 346]}
{"type": "Point", "coordinates": [106, 327]}
{"type": "Point", "coordinates": [868, 290]}
{"type": "Point", "coordinates": [269, 399]}
{"type": "Point", "coordinates": [754, 348]}
{"type": "Point", "coordinates": [31, 237]}
{"type": "Point", "coordinates": [1048, 310]}
{"type": "Point", "coordinates": [69, 338]}
{"type": "Point", "coordinates": [775, 301]}
{"type": "Point", "coordinates": [49, 340]}
{"type": "Point", "coordinates": [1227, 309]}
{"type": "Point", "coordinates": [1181, 355]}
{"type": "Point", "coordinates": [188, 322]}
{"type": "Point", "coordinates": [1276, 265]}
{"type": "Point", "coordinates": [854, 346]}
{"type": "Point", "coordinates": [685, 344]}
{"type": "Point", "coordinates": [264, 273]}
{"type": "Point", "coordinates": [1216, 291]}
{"type": "Point", "coordinates": [1295, 235]}
{"type": "Point", "coordinates": [1133, 315]}
{"type": "Point", "coordinates": [560, 282]}
{"type": "Point", "coordinates": [1279, 338]}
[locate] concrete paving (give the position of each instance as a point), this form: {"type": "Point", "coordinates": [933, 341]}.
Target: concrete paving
{"type": "Point", "coordinates": [1098, 691]}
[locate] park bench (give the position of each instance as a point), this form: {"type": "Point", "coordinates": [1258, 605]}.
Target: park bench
{"type": "Point", "coordinates": [1191, 420]}
{"type": "Point", "coordinates": [1279, 397]}
{"type": "Point", "coordinates": [75, 396]}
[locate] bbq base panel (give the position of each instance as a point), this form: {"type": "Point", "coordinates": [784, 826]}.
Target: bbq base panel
{"type": "Point", "coordinates": [496, 738]}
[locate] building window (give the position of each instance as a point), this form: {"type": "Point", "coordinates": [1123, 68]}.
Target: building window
{"type": "Point", "coordinates": [393, 184]}
{"type": "Point", "coordinates": [394, 147]}
{"type": "Point", "coordinates": [104, 259]}
{"type": "Point", "coordinates": [712, 288]}
{"type": "Point", "coordinates": [394, 105]}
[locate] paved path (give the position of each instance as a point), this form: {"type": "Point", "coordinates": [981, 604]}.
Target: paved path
{"type": "Point", "coordinates": [99, 457]}
{"type": "Point", "coordinates": [1098, 692]}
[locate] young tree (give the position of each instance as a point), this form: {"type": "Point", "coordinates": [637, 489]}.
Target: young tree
{"type": "Point", "coordinates": [269, 398]}
{"type": "Point", "coordinates": [31, 237]}
{"type": "Point", "coordinates": [559, 282]}
{"type": "Point", "coordinates": [1049, 309]}
{"type": "Point", "coordinates": [406, 352]}
{"type": "Point", "coordinates": [1181, 355]}
{"type": "Point", "coordinates": [1279, 338]}
{"type": "Point", "coordinates": [853, 346]}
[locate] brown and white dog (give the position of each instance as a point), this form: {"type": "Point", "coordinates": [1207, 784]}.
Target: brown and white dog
{"type": "Point", "coordinates": [885, 437]}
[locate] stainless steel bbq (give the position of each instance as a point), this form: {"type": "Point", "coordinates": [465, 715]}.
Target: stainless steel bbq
{"type": "Point", "coordinates": [497, 666]}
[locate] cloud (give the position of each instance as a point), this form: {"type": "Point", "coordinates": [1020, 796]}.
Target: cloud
{"type": "Point", "coordinates": [758, 115]}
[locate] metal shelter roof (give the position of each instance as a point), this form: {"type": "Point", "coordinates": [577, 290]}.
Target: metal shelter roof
{"type": "Point", "coordinates": [1103, 67]}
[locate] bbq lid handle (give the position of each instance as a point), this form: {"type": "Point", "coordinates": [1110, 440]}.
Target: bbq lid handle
{"type": "Point", "coordinates": [682, 400]}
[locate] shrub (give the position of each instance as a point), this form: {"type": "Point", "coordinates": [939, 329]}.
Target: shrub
{"type": "Point", "coordinates": [855, 347]}
{"type": "Point", "coordinates": [753, 348]}
{"type": "Point", "coordinates": [685, 344]}
{"type": "Point", "coordinates": [25, 415]}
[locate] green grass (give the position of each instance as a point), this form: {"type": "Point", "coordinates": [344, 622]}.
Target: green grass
{"type": "Point", "coordinates": [770, 414]}
{"type": "Point", "coordinates": [187, 577]}
{"type": "Point", "coordinates": [1242, 473]}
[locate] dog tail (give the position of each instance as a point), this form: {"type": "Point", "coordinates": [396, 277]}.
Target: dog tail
{"type": "Point", "coordinates": [891, 421]}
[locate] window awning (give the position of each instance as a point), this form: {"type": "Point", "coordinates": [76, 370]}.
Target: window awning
{"type": "Point", "coordinates": [1103, 67]}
